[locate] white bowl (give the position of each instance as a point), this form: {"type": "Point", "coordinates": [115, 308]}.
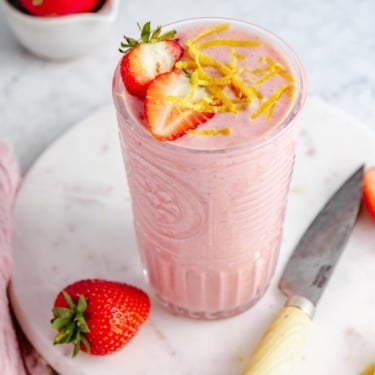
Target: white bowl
{"type": "Point", "coordinates": [62, 37]}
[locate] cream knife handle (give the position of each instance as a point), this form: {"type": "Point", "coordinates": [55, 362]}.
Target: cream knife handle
{"type": "Point", "coordinates": [279, 350]}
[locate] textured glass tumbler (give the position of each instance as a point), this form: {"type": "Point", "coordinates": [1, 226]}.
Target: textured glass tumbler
{"type": "Point", "coordinates": [209, 222]}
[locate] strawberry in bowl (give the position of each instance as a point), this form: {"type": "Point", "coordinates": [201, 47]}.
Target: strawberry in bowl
{"type": "Point", "coordinates": [98, 316]}
{"type": "Point", "coordinates": [369, 190]}
{"type": "Point", "coordinates": [60, 37]}
{"type": "Point", "coordinates": [51, 8]}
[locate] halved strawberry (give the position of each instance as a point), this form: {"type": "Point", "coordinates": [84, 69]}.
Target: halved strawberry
{"type": "Point", "coordinates": [166, 119]}
{"type": "Point", "coordinates": [153, 54]}
{"type": "Point", "coordinates": [369, 190]}
{"type": "Point", "coordinates": [99, 316]}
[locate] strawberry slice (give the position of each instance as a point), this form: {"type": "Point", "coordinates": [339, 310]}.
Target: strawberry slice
{"type": "Point", "coordinates": [167, 120]}
{"type": "Point", "coordinates": [369, 190]}
{"type": "Point", "coordinates": [145, 59]}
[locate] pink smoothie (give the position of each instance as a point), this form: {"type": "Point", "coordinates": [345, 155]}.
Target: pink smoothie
{"type": "Point", "coordinates": [208, 209]}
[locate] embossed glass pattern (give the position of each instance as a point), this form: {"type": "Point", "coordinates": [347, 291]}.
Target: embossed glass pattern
{"type": "Point", "coordinates": [209, 222]}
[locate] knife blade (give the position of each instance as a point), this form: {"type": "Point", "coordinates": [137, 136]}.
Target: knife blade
{"type": "Point", "coordinates": [304, 280]}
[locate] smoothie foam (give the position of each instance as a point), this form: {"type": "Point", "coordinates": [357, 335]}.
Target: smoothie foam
{"type": "Point", "coordinates": [208, 209]}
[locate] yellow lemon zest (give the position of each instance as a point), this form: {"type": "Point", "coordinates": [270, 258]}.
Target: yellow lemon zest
{"type": "Point", "coordinates": [275, 68]}
{"type": "Point", "coordinates": [228, 43]}
{"type": "Point", "coordinates": [229, 87]}
{"type": "Point", "coordinates": [211, 30]}
{"type": "Point", "coordinates": [199, 106]}
{"type": "Point", "coordinates": [227, 104]}
{"type": "Point", "coordinates": [270, 73]}
{"type": "Point", "coordinates": [267, 60]}
{"type": "Point", "coordinates": [202, 59]}
{"type": "Point", "coordinates": [205, 104]}
{"type": "Point", "coordinates": [233, 64]}
{"type": "Point", "coordinates": [259, 71]}
{"type": "Point", "coordinates": [211, 132]}
{"type": "Point", "coordinates": [236, 57]}
{"type": "Point", "coordinates": [239, 86]}
{"type": "Point", "coordinates": [203, 78]}
{"type": "Point", "coordinates": [267, 106]}
{"type": "Point", "coordinates": [186, 65]}
{"type": "Point", "coordinates": [283, 73]}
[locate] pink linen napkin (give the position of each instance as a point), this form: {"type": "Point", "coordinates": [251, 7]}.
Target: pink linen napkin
{"type": "Point", "coordinates": [17, 357]}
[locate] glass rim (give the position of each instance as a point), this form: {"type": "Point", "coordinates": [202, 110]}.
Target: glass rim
{"type": "Point", "coordinates": [286, 51]}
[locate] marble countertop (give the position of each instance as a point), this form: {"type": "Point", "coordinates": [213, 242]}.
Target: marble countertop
{"type": "Point", "coordinates": [40, 99]}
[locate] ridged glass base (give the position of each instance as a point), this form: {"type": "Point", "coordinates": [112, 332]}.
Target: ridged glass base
{"type": "Point", "coordinates": [202, 315]}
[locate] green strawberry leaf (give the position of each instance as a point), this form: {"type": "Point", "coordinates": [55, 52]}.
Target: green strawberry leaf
{"type": "Point", "coordinates": [147, 36]}
{"type": "Point", "coordinates": [62, 312]}
{"type": "Point", "coordinates": [59, 323]}
{"type": "Point", "coordinates": [82, 304]}
{"type": "Point", "coordinates": [69, 300]}
{"type": "Point", "coordinates": [146, 32]}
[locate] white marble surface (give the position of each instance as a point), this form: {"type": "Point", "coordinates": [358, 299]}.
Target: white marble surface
{"type": "Point", "coordinates": [41, 99]}
{"type": "Point", "coordinates": [79, 200]}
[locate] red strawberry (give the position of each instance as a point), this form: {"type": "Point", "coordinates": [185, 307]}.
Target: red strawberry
{"type": "Point", "coordinates": [49, 8]}
{"type": "Point", "coordinates": [167, 120]}
{"type": "Point", "coordinates": [148, 57]}
{"type": "Point", "coordinates": [98, 316]}
{"type": "Point", "coordinates": [369, 190]}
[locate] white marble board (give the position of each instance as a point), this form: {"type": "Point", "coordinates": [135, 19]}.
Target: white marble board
{"type": "Point", "coordinates": [73, 220]}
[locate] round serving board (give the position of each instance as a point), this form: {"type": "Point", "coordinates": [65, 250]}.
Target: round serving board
{"type": "Point", "coordinates": [73, 220]}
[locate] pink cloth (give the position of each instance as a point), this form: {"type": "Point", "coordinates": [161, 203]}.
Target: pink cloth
{"type": "Point", "coordinates": [17, 357]}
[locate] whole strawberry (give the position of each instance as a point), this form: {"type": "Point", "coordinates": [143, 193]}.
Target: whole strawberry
{"type": "Point", "coordinates": [50, 8]}
{"type": "Point", "coordinates": [98, 316]}
{"type": "Point", "coordinates": [369, 190]}
{"type": "Point", "coordinates": [153, 54]}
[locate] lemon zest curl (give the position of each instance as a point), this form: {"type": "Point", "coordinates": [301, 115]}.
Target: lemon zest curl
{"type": "Point", "coordinates": [229, 87]}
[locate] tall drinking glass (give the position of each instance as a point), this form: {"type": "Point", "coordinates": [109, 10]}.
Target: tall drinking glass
{"type": "Point", "coordinates": [209, 222]}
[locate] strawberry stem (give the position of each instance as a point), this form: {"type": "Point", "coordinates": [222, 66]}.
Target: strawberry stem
{"type": "Point", "coordinates": [146, 32]}
{"type": "Point", "coordinates": [69, 300]}
{"type": "Point", "coordinates": [156, 33]}
{"type": "Point", "coordinates": [71, 324]}
{"type": "Point", "coordinates": [147, 36]}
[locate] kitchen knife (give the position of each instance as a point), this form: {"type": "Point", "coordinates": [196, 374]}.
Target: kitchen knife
{"type": "Point", "coordinates": [304, 280]}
